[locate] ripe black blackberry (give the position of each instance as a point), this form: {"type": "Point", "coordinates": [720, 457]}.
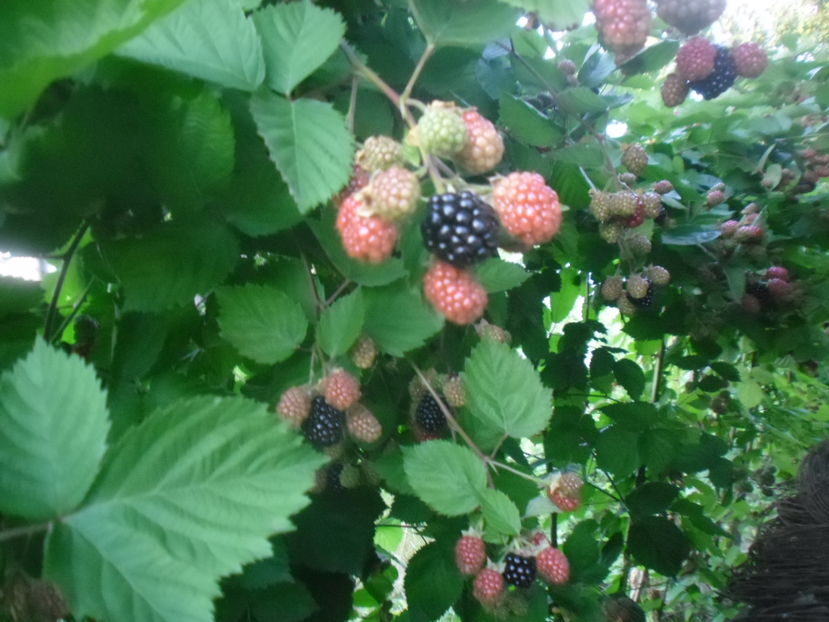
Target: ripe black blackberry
{"type": "Point", "coordinates": [429, 415]}
{"type": "Point", "coordinates": [721, 79]}
{"type": "Point", "coordinates": [645, 301]}
{"type": "Point", "coordinates": [324, 426]}
{"type": "Point", "coordinates": [518, 570]}
{"type": "Point", "coordinates": [460, 228]}
{"type": "Point", "coordinates": [760, 291]}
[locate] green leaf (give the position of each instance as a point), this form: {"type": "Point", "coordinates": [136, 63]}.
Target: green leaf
{"type": "Point", "coordinates": [651, 498]}
{"type": "Point", "coordinates": [432, 582]}
{"type": "Point", "coordinates": [504, 392]}
{"type": "Point", "coordinates": [41, 41]}
{"type": "Point", "coordinates": [309, 143]}
{"type": "Point", "coordinates": [172, 264]}
{"type": "Point", "coordinates": [630, 376]}
{"type": "Point", "coordinates": [500, 513]}
{"type": "Point", "coordinates": [652, 58]}
{"type": "Point", "coordinates": [581, 99]}
{"type": "Point", "coordinates": [188, 496]}
{"type": "Point", "coordinates": [557, 13]}
{"type": "Point", "coordinates": [398, 319]}
{"type": "Point", "coordinates": [261, 322]}
{"type": "Point", "coordinates": [207, 39]}
{"type": "Point", "coordinates": [657, 543]}
{"type": "Point", "coordinates": [193, 147]}
{"type": "Point", "coordinates": [297, 38]}
{"type": "Point", "coordinates": [497, 275]}
{"type": "Point", "coordinates": [689, 235]}
{"type": "Point", "coordinates": [17, 295]}
{"type": "Point", "coordinates": [616, 451]}
{"type": "Point", "coordinates": [526, 123]}
{"type": "Point", "coordinates": [53, 429]}
{"type": "Point", "coordinates": [448, 477]}
{"type": "Point", "coordinates": [462, 23]}
{"type": "Point", "coordinates": [341, 323]}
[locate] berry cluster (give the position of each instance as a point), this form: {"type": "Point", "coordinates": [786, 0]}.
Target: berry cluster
{"type": "Point", "coordinates": [769, 291]}
{"type": "Point", "coordinates": [711, 69]}
{"type": "Point", "coordinates": [427, 413]}
{"type": "Point", "coordinates": [817, 168]}
{"type": "Point", "coordinates": [327, 411]}
{"type": "Point", "coordinates": [747, 230]}
{"type": "Point", "coordinates": [519, 568]}
{"type": "Point", "coordinates": [637, 291]}
{"type": "Point", "coordinates": [619, 211]}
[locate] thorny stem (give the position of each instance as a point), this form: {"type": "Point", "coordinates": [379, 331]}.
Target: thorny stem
{"type": "Point", "coordinates": [453, 423]}
{"type": "Point", "coordinates": [64, 270]}
{"type": "Point", "coordinates": [26, 530]}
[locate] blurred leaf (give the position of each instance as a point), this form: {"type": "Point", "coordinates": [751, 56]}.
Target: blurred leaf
{"type": "Point", "coordinates": [408, 326]}
{"type": "Point", "coordinates": [448, 477]}
{"type": "Point", "coordinates": [657, 543]}
{"type": "Point", "coordinates": [432, 581]}
{"type": "Point", "coordinates": [341, 323]}
{"type": "Point", "coordinates": [463, 23]}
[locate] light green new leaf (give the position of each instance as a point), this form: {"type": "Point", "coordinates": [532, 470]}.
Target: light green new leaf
{"type": "Point", "coordinates": [500, 513]}
{"type": "Point", "coordinates": [447, 477]}
{"type": "Point", "coordinates": [341, 323]}
{"type": "Point", "coordinates": [189, 496]}
{"type": "Point", "coordinates": [41, 41]}
{"type": "Point", "coordinates": [53, 429]}
{"type": "Point", "coordinates": [207, 39]}
{"type": "Point", "coordinates": [504, 391]}
{"type": "Point", "coordinates": [261, 322]}
{"type": "Point", "coordinates": [463, 23]}
{"type": "Point", "coordinates": [297, 38]}
{"type": "Point", "coordinates": [398, 318]}
{"type": "Point", "coordinates": [172, 264]}
{"type": "Point", "coordinates": [309, 143]}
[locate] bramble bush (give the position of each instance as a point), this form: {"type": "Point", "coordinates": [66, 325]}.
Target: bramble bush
{"type": "Point", "coordinates": [421, 310]}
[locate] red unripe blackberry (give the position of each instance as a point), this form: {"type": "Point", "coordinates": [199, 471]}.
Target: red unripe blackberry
{"type": "Point", "coordinates": [341, 389]}
{"type": "Point", "coordinates": [484, 146]}
{"type": "Point", "coordinates": [777, 272]}
{"type": "Point", "coordinates": [638, 216]}
{"type": "Point", "coordinates": [488, 588]}
{"type": "Point", "coordinates": [729, 228]}
{"type": "Point", "coordinates": [719, 80]}
{"type": "Point", "coordinates": [362, 425]}
{"type": "Point", "coordinates": [365, 238]}
{"type": "Point", "coordinates": [294, 405]}
{"type": "Point", "coordinates": [674, 90]}
{"type": "Point", "coordinates": [460, 229]}
{"type": "Point", "coordinates": [470, 555]}
{"type": "Point", "coordinates": [749, 233]}
{"type": "Point", "coordinates": [529, 209]}
{"type": "Point", "coordinates": [553, 566]}
{"type": "Point", "coordinates": [663, 187]}
{"type": "Point", "coordinates": [570, 504]}
{"type": "Point", "coordinates": [780, 290]}
{"type": "Point", "coordinates": [750, 59]}
{"type": "Point", "coordinates": [324, 426]}
{"type": "Point", "coordinates": [690, 16]}
{"type": "Point", "coordinates": [455, 293]}
{"type": "Point", "coordinates": [519, 570]}
{"type": "Point", "coordinates": [429, 415]}
{"type": "Point", "coordinates": [715, 197]}
{"type": "Point", "coordinates": [695, 59]}
{"type": "Point", "coordinates": [494, 332]}
{"type": "Point", "coordinates": [570, 484]}
{"type": "Point", "coordinates": [623, 24]}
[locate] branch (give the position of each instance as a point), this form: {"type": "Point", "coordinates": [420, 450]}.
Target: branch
{"type": "Point", "coordinates": [64, 270]}
{"type": "Point", "coordinates": [26, 530]}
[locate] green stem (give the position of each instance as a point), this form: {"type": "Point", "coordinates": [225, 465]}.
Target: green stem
{"type": "Point", "coordinates": [421, 63]}
{"type": "Point", "coordinates": [26, 530]}
{"type": "Point", "coordinates": [64, 270]}
{"type": "Point", "coordinates": [500, 465]}
{"type": "Point", "coordinates": [75, 309]}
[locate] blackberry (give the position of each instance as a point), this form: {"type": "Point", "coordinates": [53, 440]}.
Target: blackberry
{"type": "Point", "coordinates": [645, 301]}
{"type": "Point", "coordinates": [519, 571]}
{"type": "Point", "coordinates": [460, 228]}
{"type": "Point", "coordinates": [760, 291]}
{"type": "Point", "coordinates": [429, 415]}
{"type": "Point", "coordinates": [332, 478]}
{"type": "Point", "coordinates": [721, 79]}
{"type": "Point", "coordinates": [324, 426]}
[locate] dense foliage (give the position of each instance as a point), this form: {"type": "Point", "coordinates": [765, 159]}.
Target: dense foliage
{"type": "Point", "coordinates": [182, 162]}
